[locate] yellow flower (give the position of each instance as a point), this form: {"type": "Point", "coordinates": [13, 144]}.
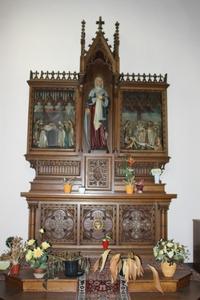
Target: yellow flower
{"type": "Point", "coordinates": [37, 252]}
{"type": "Point", "coordinates": [29, 255]}
{"type": "Point", "coordinates": [31, 242]}
{"type": "Point", "coordinates": [45, 245]}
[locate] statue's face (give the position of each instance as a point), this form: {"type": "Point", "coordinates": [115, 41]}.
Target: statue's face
{"type": "Point", "coordinates": [98, 82]}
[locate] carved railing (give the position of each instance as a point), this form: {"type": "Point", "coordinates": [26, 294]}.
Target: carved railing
{"type": "Point", "coordinates": [54, 75]}
{"type": "Point", "coordinates": [143, 78]}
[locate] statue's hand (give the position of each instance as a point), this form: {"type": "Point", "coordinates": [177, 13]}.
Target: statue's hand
{"type": "Point", "coordinates": [87, 110]}
{"type": "Point", "coordinates": [100, 97]}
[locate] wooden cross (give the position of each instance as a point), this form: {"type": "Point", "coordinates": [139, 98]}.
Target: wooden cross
{"type": "Point", "coordinates": [100, 23]}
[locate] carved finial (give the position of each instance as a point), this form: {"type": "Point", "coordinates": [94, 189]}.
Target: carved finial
{"type": "Point", "coordinates": [83, 37]}
{"type": "Point", "coordinates": [116, 39]}
{"type": "Point", "coordinates": [83, 29]}
{"type": "Point", "coordinates": [117, 27]}
{"type": "Point", "coordinates": [100, 23]}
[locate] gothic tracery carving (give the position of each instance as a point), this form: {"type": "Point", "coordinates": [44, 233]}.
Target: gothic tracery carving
{"type": "Point", "coordinates": [137, 223]}
{"type": "Point", "coordinates": [97, 221]}
{"type": "Point", "coordinates": [59, 222]}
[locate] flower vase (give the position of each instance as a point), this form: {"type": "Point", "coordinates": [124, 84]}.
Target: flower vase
{"type": "Point", "coordinates": [14, 269]}
{"type": "Point", "coordinates": [129, 188]}
{"type": "Point", "coordinates": [168, 270]}
{"type": "Point", "coordinates": [105, 244]}
{"type": "Point", "coordinates": [67, 188]}
{"type": "Point", "coordinates": [157, 178]}
{"type": "Point", "coordinates": [39, 273]}
{"type": "Point", "coordinates": [71, 268]}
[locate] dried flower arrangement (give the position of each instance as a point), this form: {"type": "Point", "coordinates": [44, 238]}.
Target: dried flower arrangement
{"type": "Point", "coordinates": [130, 267]}
{"type": "Point", "coordinates": [16, 249]}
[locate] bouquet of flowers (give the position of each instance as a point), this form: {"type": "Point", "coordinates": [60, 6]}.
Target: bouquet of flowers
{"type": "Point", "coordinates": [128, 171]}
{"type": "Point", "coordinates": [37, 254]}
{"type": "Point", "coordinates": [170, 251]}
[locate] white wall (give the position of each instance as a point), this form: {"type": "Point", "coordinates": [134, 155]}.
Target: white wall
{"type": "Point", "coordinates": [156, 37]}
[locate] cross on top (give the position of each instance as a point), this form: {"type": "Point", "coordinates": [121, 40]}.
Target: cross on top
{"type": "Point", "coordinates": [100, 23]}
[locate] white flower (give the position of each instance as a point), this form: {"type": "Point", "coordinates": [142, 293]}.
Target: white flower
{"type": "Point", "coordinates": [156, 171]}
{"type": "Point", "coordinates": [170, 245]}
{"type": "Point", "coordinates": [41, 230]}
{"type": "Point", "coordinates": [37, 252]}
{"type": "Point", "coordinates": [29, 255]}
{"type": "Point", "coordinates": [170, 254]}
{"type": "Point", "coordinates": [155, 252]}
{"type": "Point", "coordinates": [31, 242]}
{"type": "Point", "coordinates": [45, 245]}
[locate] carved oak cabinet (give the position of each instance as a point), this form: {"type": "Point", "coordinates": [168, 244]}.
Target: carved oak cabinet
{"type": "Point", "coordinates": [84, 126]}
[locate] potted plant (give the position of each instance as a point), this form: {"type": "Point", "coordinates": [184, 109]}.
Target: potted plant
{"type": "Point", "coordinates": [68, 183]}
{"type": "Point", "coordinates": [36, 255]}
{"type": "Point", "coordinates": [106, 242]}
{"type": "Point", "coordinates": [16, 253]}
{"type": "Point", "coordinates": [129, 174]}
{"type": "Point", "coordinates": [71, 264]}
{"type": "Point", "coordinates": [169, 253]}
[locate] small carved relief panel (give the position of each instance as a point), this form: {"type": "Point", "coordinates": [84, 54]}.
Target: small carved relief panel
{"type": "Point", "coordinates": [98, 173]}
{"type": "Point", "coordinates": [137, 223]}
{"type": "Point", "coordinates": [96, 222]}
{"type": "Point", "coordinates": [59, 222]}
{"type": "Point", "coordinates": [58, 167]}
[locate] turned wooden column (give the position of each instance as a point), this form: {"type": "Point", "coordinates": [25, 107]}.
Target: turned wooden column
{"type": "Point", "coordinates": [32, 219]}
{"type": "Point", "coordinates": [163, 207]}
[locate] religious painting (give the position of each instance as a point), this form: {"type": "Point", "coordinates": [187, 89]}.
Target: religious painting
{"type": "Point", "coordinates": [141, 121]}
{"type": "Point", "coordinates": [53, 119]}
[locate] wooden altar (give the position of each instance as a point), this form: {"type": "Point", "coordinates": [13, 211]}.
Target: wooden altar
{"type": "Point", "coordinates": [67, 138]}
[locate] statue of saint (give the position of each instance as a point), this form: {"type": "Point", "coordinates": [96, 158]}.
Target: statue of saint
{"type": "Point", "coordinates": [96, 117]}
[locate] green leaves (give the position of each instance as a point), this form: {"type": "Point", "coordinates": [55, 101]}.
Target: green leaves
{"type": "Point", "coordinates": [170, 251]}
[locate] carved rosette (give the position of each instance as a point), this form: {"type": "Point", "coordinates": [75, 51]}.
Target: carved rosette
{"type": "Point", "coordinates": [137, 224]}
{"type": "Point", "coordinates": [59, 222]}
{"type": "Point", "coordinates": [98, 170]}
{"type": "Point", "coordinates": [97, 221]}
